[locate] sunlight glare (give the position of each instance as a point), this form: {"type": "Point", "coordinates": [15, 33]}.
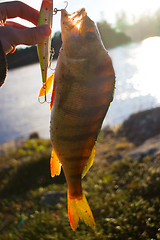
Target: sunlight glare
{"type": "Point", "coordinates": [78, 25]}
{"type": "Point", "coordinates": [76, 19]}
{"type": "Point", "coordinates": [146, 59]}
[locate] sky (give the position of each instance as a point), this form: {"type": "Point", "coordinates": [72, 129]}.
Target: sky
{"type": "Point", "coordinates": [99, 9]}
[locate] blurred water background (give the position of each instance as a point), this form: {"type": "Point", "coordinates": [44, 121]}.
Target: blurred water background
{"type": "Point", "coordinates": [137, 88]}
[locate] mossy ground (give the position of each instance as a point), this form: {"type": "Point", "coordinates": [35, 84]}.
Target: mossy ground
{"type": "Point", "coordinates": [123, 193]}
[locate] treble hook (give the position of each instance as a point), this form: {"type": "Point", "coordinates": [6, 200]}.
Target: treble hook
{"type": "Point", "coordinates": [57, 10]}
{"type": "Point", "coordinates": [45, 96]}
{"type": "Point", "coordinates": [45, 100]}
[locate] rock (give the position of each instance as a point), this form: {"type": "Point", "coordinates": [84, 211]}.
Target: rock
{"type": "Point", "coordinates": [149, 147]}
{"type": "Point", "coordinates": [141, 126]}
{"type": "Point", "coordinates": [34, 135]}
{"type": "Point", "coordinates": [53, 197]}
{"type": "Point", "coordinates": [108, 132]}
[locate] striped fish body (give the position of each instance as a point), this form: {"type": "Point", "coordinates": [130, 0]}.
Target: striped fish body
{"type": "Point", "coordinates": [84, 86]}
{"type": "Point", "coordinates": [45, 17]}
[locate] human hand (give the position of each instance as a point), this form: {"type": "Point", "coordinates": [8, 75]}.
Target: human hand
{"type": "Point", "coordinates": [13, 34]}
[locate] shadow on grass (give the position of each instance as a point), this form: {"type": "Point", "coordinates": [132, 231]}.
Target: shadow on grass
{"type": "Point", "coordinates": [28, 176]}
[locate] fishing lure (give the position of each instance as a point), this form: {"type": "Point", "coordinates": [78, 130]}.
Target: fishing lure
{"type": "Point", "coordinates": [45, 17]}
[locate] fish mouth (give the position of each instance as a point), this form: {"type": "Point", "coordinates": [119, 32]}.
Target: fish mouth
{"type": "Point", "coordinates": [76, 18]}
{"type": "Point", "coordinates": [72, 21]}
{"type": "Point", "coordinates": [78, 32]}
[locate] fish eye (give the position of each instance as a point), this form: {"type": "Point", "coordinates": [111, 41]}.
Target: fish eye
{"type": "Point", "coordinates": [90, 35]}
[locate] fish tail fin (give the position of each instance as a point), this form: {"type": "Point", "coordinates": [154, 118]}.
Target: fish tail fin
{"type": "Point", "coordinates": [78, 208]}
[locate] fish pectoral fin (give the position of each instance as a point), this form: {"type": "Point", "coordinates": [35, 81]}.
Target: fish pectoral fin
{"type": "Point", "coordinates": [89, 162]}
{"type": "Point", "coordinates": [55, 165]}
{"type": "Point", "coordinates": [78, 208]}
{"type": "Point", "coordinates": [46, 86]}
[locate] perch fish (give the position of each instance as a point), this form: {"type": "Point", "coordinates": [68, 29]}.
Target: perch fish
{"type": "Point", "coordinates": [45, 17]}
{"type": "Point", "coordinates": [84, 82]}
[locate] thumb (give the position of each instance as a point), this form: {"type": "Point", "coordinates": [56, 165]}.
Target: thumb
{"type": "Point", "coordinates": [31, 36]}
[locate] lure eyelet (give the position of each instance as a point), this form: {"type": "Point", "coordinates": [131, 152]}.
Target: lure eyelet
{"type": "Point", "coordinates": [55, 11]}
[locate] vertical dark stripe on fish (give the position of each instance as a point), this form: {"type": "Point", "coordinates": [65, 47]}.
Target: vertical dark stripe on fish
{"type": "Point", "coordinates": [90, 111]}
{"type": "Point", "coordinates": [75, 138]}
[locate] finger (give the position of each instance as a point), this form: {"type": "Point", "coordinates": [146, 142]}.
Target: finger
{"type": "Point", "coordinates": [31, 36]}
{"type": "Point", "coordinates": [15, 25]}
{"type": "Point", "coordinates": [18, 9]}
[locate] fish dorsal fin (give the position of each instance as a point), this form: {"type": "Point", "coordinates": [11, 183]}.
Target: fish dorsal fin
{"type": "Point", "coordinates": [47, 86]}
{"type": "Point", "coordinates": [89, 162]}
{"type": "Point", "coordinates": [55, 165]}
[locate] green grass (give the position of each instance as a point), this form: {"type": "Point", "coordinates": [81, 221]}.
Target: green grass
{"type": "Point", "coordinates": [124, 197]}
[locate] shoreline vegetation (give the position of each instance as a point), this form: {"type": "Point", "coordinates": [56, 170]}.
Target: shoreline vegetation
{"type": "Point", "coordinates": [110, 37]}
{"type": "Point", "coordinates": [123, 186]}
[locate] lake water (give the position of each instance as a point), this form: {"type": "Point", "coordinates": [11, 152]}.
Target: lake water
{"type": "Point", "coordinates": [137, 88]}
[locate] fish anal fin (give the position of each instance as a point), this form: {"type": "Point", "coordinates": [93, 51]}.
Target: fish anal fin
{"type": "Point", "coordinates": [55, 165]}
{"type": "Point", "coordinates": [89, 162]}
{"type": "Point", "coordinates": [78, 208]}
{"type": "Point", "coordinates": [46, 86]}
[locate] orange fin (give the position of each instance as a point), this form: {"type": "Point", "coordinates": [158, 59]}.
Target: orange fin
{"type": "Point", "coordinates": [79, 209]}
{"type": "Point", "coordinates": [89, 163]}
{"type": "Point", "coordinates": [46, 86]}
{"type": "Point", "coordinates": [55, 165]}
{"type": "Point", "coordinates": [53, 96]}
